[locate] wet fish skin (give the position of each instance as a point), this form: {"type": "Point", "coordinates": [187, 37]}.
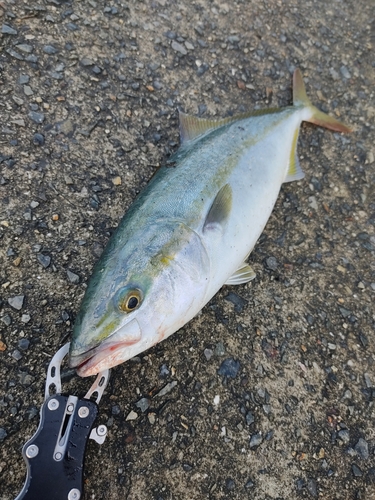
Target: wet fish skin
{"type": "Point", "coordinates": [190, 231]}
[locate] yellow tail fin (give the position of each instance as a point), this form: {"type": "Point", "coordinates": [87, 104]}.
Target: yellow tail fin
{"type": "Point", "coordinates": [318, 117]}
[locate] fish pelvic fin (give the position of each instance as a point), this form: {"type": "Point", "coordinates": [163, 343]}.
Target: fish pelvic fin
{"type": "Point", "coordinates": [244, 274]}
{"type": "Point", "coordinates": [317, 117]}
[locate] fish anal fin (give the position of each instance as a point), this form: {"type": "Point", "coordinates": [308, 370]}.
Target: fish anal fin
{"type": "Point", "coordinates": [220, 209]}
{"type": "Point", "coordinates": [295, 172]}
{"type": "Point", "coordinates": [244, 274]}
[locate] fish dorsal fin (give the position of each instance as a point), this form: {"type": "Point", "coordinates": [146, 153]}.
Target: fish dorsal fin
{"type": "Point", "coordinates": [244, 274]}
{"type": "Point", "coordinates": [220, 209]}
{"type": "Point", "coordinates": [295, 172]}
{"type": "Point", "coordinates": [192, 127]}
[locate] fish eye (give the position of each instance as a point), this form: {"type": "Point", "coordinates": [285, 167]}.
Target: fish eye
{"type": "Point", "coordinates": [129, 300]}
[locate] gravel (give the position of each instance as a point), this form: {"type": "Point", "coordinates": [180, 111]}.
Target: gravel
{"type": "Point", "coordinates": [268, 392]}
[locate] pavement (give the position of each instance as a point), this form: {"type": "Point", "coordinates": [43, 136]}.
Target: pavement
{"type": "Point", "coordinates": [269, 392]}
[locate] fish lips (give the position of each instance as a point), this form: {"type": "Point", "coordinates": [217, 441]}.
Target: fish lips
{"type": "Point", "coordinates": [108, 353]}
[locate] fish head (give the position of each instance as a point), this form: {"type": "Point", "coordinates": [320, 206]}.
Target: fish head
{"type": "Point", "coordinates": [136, 299]}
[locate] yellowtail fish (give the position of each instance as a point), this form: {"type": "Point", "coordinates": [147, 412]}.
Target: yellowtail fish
{"type": "Point", "coordinates": [190, 231]}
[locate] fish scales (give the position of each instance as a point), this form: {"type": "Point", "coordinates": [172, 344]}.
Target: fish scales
{"type": "Point", "coordinates": [190, 230]}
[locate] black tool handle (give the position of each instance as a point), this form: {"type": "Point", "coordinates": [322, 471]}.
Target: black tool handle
{"type": "Point", "coordinates": [50, 473]}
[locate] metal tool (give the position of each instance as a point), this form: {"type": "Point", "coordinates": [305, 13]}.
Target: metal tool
{"type": "Point", "coordinates": [55, 454]}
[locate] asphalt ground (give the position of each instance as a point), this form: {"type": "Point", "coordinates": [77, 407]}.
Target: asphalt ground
{"type": "Point", "coordinates": [269, 391]}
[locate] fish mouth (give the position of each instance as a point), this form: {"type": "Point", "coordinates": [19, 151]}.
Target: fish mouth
{"type": "Point", "coordinates": [108, 353]}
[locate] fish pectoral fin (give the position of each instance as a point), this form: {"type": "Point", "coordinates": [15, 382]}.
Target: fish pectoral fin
{"type": "Point", "coordinates": [220, 209]}
{"type": "Point", "coordinates": [295, 172]}
{"type": "Point", "coordinates": [244, 274]}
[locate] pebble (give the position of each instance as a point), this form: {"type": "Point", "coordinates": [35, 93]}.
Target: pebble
{"type": "Point", "coordinates": [23, 344]}
{"type": "Point", "coordinates": [164, 371]}
{"type": "Point", "coordinates": [14, 54]}
{"type": "Point", "coordinates": [23, 79]}
{"type": "Point", "coordinates": [356, 471]}
{"type": "Point", "coordinates": [16, 355]}
{"type": "Point", "coordinates": [132, 415]}
{"type": "Point", "coordinates": [344, 436]}
{"type": "Point", "coordinates": [25, 318]}
{"type": "Point", "coordinates": [36, 117]}
{"type": "Point", "coordinates": [143, 404]}
{"type": "Point", "coordinates": [238, 302]}
{"type": "Point", "coordinates": [25, 47]}
{"type": "Point", "coordinates": [255, 440]}
{"type": "Point", "coordinates": [44, 260]}
{"type": "Point", "coordinates": [6, 319]}
{"type": "Point", "coordinates": [49, 49]}
{"type": "Point", "coordinates": [166, 389]}
{"type": "Point", "coordinates": [249, 418]}
{"type": "Point", "coordinates": [115, 410]}
{"type": "Point", "coordinates": [345, 72]}
{"type": "Point", "coordinates": [229, 368]}
{"type": "Point", "coordinates": [208, 353]}
{"type": "Point", "coordinates": [362, 449]}
{"type": "Point", "coordinates": [249, 484]}
{"type": "Point", "coordinates": [16, 302]}
{"type": "Point", "coordinates": [72, 277]}
{"type": "Point", "coordinates": [3, 434]}
{"type": "Point", "coordinates": [38, 139]}
{"type": "Point", "coordinates": [312, 487]}
{"type": "Point", "coordinates": [271, 263]}
{"type": "Point", "coordinates": [7, 30]}
{"type": "Point", "coordinates": [219, 349]}
{"type": "Point", "coordinates": [179, 48]}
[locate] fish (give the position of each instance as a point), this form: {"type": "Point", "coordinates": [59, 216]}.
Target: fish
{"type": "Point", "coordinates": [191, 230]}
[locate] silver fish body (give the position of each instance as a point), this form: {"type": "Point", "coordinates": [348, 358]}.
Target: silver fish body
{"type": "Point", "coordinates": [190, 231]}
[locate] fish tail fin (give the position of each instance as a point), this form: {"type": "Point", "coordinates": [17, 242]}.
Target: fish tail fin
{"type": "Point", "coordinates": [317, 117]}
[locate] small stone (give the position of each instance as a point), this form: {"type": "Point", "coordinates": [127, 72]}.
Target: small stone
{"type": "Point", "coordinates": [271, 263]}
{"type": "Point", "coordinates": [255, 440]}
{"type": "Point", "coordinates": [116, 181]}
{"type": "Point", "coordinates": [312, 487]}
{"type": "Point", "coordinates": [362, 449]}
{"type": "Point", "coordinates": [166, 389]}
{"type": "Point", "coordinates": [25, 318]}
{"type": "Point", "coordinates": [36, 117]}
{"type": "Point", "coordinates": [151, 418]}
{"type": "Point", "coordinates": [229, 368]}
{"type": "Point", "coordinates": [44, 260]}
{"type": "Point", "coordinates": [164, 371]}
{"type": "Point", "coordinates": [38, 139]}
{"type": "Point", "coordinates": [345, 72]}
{"type": "Point", "coordinates": [116, 410]}
{"type": "Point", "coordinates": [208, 353]}
{"type": "Point", "coordinates": [25, 47]}
{"type": "Point", "coordinates": [250, 484]}
{"type": "Point", "coordinates": [7, 30]}
{"type": "Point", "coordinates": [237, 300]}
{"type": "Point", "coordinates": [216, 400]}
{"type": "Point", "coordinates": [132, 415]}
{"type": "Point", "coordinates": [23, 79]}
{"type": "Point", "coordinates": [16, 355]}
{"type": "Point", "coordinates": [23, 344]}
{"type": "Point", "coordinates": [73, 278]}
{"type": "Point", "coordinates": [49, 49]}
{"type": "Point", "coordinates": [3, 434]}
{"type": "Point", "coordinates": [6, 319]}
{"type": "Point", "coordinates": [344, 436]}
{"type": "Point", "coordinates": [179, 48]}
{"type": "Point", "coordinates": [2, 346]}
{"type": "Point", "coordinates": [14, 54]}
{"type": "Point", "coordinates": [249, 418]}
{"type": "Point", "coordinates": [219, 349]}
{"type": "Point", "coordinates": [16, 302]}
{"type": "Point", "coordinates": [356, 471]}
{"type": "Point", "coordinates": [143, 404]}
